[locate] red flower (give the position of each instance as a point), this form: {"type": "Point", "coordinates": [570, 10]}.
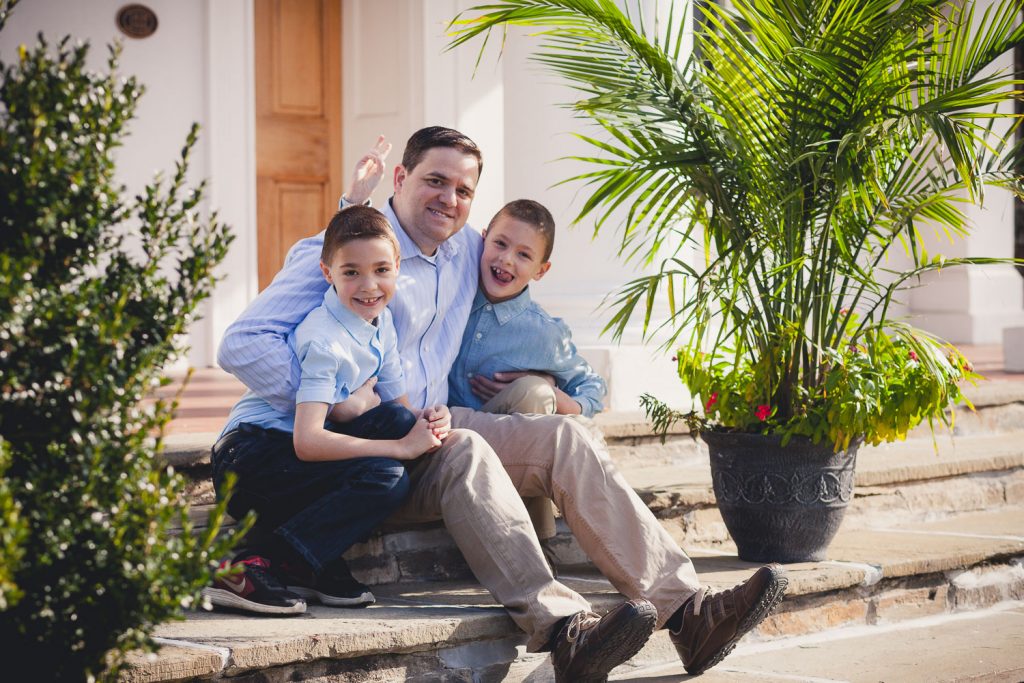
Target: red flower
{"type": "Point", "coordinates": [712, 400]}
{"type": "Point", "coordinates": [913, 355]}
{"type": "Point", "coordinates": [763, 412]}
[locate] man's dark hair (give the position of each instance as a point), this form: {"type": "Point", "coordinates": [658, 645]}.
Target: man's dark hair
{"type": "Point", "coordinates": [426, 139]}
{"type": "Point", "coordinates": [356, 223]}
{"type": "Point", "coordinates": [534, 214]}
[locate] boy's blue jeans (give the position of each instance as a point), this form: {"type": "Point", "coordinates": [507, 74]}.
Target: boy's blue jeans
{"type": "Point", "coordinates": [319, 508]}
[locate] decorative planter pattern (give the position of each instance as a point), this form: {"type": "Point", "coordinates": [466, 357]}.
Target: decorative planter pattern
{"type": "Point", "coordinates": [780, 503]}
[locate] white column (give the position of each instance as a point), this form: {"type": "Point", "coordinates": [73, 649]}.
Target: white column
{"type": "Point", "coordinates": [231, 134]}
{"type": "Point", "coordinates": [974, 305]}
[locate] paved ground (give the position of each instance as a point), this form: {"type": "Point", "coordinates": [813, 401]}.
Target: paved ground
{"type": "Point", "coordinates": [987, 645]}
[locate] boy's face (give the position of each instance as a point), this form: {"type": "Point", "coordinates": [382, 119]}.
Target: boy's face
{"type": "Point", "coordinates": [513, 255]}
{"type": "Point", "coordinates": [363, 272]}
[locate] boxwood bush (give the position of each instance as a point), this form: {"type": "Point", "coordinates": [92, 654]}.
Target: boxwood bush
{"type": "Point", "coordinates": [96, 289]}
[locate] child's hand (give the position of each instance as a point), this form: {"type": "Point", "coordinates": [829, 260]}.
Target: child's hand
{"type": "Point", "coordinates": [358, 402]}
{"type": "Point", "coordinates": [368, 172]}
{"type": "Point", "coordinates": [418, 441]}
{"type": "Point", "coordinates": [440, 420]}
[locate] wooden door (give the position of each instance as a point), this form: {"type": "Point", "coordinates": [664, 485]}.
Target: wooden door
{"type": "Point", "coordinates": [298, 123]}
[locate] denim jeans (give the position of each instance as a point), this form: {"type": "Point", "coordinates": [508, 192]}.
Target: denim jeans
{"type": "Point", "coordinates": [319, 508]}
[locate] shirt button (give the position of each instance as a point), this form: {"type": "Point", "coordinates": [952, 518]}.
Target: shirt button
{"type": "Point", "coordinates": [487, 307]}
{"type": "Point", "coordinates": [469, 375]}
{"type": "Point", "coordinates": [479, 336]}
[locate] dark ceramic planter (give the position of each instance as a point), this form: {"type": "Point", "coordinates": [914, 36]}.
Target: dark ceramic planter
{"type": "Point", "coordinates": [780, 503]}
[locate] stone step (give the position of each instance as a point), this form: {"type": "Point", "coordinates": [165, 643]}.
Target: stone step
{"type": "Point", "coordinates": [998, 408]}
{"type": "Point", "coordinates": [895, 484]}
{"type": "Point", "coordinates": [453, 631]}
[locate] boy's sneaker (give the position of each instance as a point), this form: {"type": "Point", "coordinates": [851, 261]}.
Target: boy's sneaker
{"type": "Point", "coordinates": [335, 587]}
{"type": "Point", "coordinates": [256, 589]}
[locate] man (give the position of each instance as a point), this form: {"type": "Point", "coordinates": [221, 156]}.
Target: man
{"type": "Point", "coordinates": [475, 481]}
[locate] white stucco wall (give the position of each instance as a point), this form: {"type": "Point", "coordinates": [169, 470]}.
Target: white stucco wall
{"type": "Point", "coordinates": [396, 77]}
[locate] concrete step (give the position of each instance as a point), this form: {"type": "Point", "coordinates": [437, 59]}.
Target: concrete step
{"type": "Point", "coordinates": [965, 647]}
{"type": "Point", "coordinates": [453, 631]}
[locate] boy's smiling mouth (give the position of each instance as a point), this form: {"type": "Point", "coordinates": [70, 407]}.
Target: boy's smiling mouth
{"type": "Point", "coordinates": [502, 276]}
{"type": "Point", "coordinates": [369, 302]}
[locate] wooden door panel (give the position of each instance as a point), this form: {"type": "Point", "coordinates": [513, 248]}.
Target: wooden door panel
{"type": "Point", "coordinates": [298, 50]}
{"type": "Point", "coordinates": [293, 148]}
{"type": "Point", "coordinates": [298, 123]}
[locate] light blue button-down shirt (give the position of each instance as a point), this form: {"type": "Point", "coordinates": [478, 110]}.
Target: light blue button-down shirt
{"type": "Point", "coordinates": [431, 305]}
{"type": "Point", "coordinates": [519, 335]}
{"type": "Point", "coordinates": [338, 351]}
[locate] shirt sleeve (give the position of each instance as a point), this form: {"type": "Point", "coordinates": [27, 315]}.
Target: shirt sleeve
{"type": "Point", "coordinates": [390, 379]}
{"type": "Point", "coordinates": [326, 375]}
{"type": "Point", "coordinates": [255, 347]}
{"type": "Point", "coordinates": [573, 374]}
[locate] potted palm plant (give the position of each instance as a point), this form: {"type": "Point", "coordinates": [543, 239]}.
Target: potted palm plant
{"type": "Point", "coordinates": [801, 144]}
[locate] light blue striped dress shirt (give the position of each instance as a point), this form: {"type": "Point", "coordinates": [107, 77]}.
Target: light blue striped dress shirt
{"type": "Point", "coordinates": [432, 300]}
{"type": "Point", "coordinates": [337, 351]}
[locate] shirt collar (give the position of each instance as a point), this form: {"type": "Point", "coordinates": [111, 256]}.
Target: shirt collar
{"type": "Point", "coordinates": [506, 310]}
{"type": "Point", "coordinates": [362, 331]}
{"type": "Point", "coordinates": [409, 249]}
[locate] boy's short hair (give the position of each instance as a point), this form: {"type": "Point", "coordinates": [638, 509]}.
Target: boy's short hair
{"type": "Point", "coordinates": [426, 139]}
{"type": "Point", "coordinates": [356, 223]}
{"type": "Point", "coordinates": [536, 215]}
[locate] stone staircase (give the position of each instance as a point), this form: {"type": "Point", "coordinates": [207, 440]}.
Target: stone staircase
{"type": "Point", "coordinates": [936, 531]}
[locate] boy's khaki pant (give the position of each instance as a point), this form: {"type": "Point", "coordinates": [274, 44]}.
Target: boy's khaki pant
{"type": "Point", "coordinates": [474, 483]}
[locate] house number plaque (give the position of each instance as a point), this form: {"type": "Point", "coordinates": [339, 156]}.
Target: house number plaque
{"type": "Point", "coordinates": [136, 21]}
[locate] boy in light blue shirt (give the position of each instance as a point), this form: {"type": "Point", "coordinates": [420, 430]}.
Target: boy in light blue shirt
{"type": "Point", "coordinates": [509, 333]}
{"type": "Point", "coordinates": [321, 477]}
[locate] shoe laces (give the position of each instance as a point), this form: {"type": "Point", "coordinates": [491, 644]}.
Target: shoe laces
{"type": "Point", "coordinates": [259, 569]}
{"type": "Point", "coordinates": [698, 599]}
{"type": "Point", "coordinates": [578, 627]}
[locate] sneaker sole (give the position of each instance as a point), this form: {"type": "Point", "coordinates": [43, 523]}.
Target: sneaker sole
{"type": "Point", "coordinates": [620, 650]}
{"type": "Point", "coordinates": [225, 598]}
{"type": "Point", "coordinates": [770, 599]}
{"type": "Point", "coordinates": [364, 600]}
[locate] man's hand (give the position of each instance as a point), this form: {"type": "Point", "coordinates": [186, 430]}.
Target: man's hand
{"type": "Point", "coordinates": [487, 388]}
{"type": "Point", "coordinates": [368, 172]}
{"type": "Point", "coordinates": [358, 402]}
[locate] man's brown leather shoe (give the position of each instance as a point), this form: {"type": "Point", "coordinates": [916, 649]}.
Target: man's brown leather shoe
{"type": "Point", "coordinates": [587, 647]}
{"type": "Point", "coordinates": [714, 622]}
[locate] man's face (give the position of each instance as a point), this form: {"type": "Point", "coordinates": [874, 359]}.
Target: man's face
{"type": "Point", "coordinates": [432, 200]}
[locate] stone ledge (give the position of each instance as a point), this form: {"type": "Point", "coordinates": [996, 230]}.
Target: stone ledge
{"type": "Point", "coordinates": [990, 393]}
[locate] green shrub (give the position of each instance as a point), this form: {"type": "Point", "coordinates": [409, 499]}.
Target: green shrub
{"type": "Point", "coordinates": [95, 291]}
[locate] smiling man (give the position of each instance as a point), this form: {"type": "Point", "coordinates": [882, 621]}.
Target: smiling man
{"type": "Point", "coordinates": [476, 480]}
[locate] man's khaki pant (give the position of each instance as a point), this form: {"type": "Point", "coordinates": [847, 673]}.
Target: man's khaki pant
{"type": "Point", "coordinates": [530, 395]}
{"type": "Point", "coordinates": [475, 483]}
